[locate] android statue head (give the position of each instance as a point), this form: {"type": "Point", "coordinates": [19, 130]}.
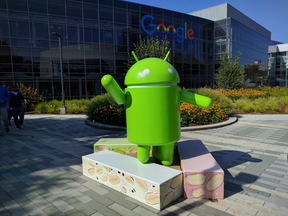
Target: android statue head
{"type": "Point", "coordinates": [152, 71]}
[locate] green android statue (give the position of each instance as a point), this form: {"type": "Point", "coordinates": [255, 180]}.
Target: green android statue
{"type": "Point", "coordinates": [152, 100]}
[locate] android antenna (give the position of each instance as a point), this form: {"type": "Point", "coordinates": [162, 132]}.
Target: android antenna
{"type": "Point", "coordinates": [167, 56]}
{"type": "Point", "coordinates": [135, 56]}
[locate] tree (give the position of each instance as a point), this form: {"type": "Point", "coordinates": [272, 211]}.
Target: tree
{"type": "Point", "coordinates": [230, 74]}
{"type": "Point", "coordinates": [147, 48]}
{"type": "Point", "coordinates": [253, 74]}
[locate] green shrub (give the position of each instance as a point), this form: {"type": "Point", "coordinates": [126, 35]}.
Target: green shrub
{"type": "Point", "coordinates": [224, 102]}
{"type": "Point", "coordinates": [258, 109]}
{"type": "Point", "coordinates": [41, 107]}
{"type": "Point", "coordinates": [286, 109]}
{"type": "Point", "coordinates": [274, 101]}
{"type": "Point", "coordinates": [53, 106]}
{"type": "Point", "coordinates": [102, 103]}
{"type": "Point", "coordinates": [273, 91]}
{"type": "Point", "coordinates": [248, 108]}
{"type": "Point", "coordinates": [75, 102]}
{"type": "Point", "coordinates": [275, 108]}
{"type": "Point", "coordinates": [284, 100]}
{"type": "Point", "coordinates": [267, 107]}
{"type": "Point", "coordinates": [51, 110]}
{"type": "Point", "coordinates": [259, 102]}
{"type": "Point", "coordinates": [239, 104]}
{"type": "Point", "coordinates": [75, 109]}
{"type": "Point", "coordinates": [76, 106]}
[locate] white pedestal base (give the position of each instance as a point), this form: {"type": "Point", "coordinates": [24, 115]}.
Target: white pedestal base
{"type": "Point", "coordinates": [150, 183]}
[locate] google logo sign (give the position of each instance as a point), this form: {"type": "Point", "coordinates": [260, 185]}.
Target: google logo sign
{"type": "Point", "coordinates": [182, 33]}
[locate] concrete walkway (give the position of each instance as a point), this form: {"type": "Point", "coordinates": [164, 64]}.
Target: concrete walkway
{"type": "Point", "coordinates": [41, 174]}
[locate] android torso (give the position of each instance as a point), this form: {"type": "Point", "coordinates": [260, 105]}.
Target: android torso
{"type": "Point", "coordinates": [152, 114]}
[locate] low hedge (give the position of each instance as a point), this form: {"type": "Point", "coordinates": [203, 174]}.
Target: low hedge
{"type": "Point", "coordinates": [53, 107]}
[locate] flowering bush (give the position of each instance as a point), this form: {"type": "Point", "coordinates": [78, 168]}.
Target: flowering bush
{"type": "Point", "coordinates": [195, 115]}
{"type": "Point", "coordinates": [105, 110]}
{"type": "Point", "coordinates": [105, 114]}
{"type": "Point", "coordinates": [241, 93]}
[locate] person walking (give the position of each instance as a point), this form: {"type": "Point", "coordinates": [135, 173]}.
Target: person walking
{"type": "Point", "coordinates": [15, 103]}
{"type": "Point", "coordinates": [4, 98]}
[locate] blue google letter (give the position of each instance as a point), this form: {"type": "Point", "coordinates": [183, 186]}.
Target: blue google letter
{"type": "Point", "coordinates": [152, 25]}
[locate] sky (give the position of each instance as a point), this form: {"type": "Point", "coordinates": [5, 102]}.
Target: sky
{"type": "Point", "coordinates": [271, 14]}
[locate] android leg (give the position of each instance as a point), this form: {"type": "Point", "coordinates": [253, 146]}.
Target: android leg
{"type": "Point", "coordinates": [164, 153]}
{"type": "Point", "coordinates": [143, 153]}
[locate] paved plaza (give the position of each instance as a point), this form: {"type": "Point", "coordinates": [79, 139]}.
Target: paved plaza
{"type": "Point", "coordinates": [41, 170]}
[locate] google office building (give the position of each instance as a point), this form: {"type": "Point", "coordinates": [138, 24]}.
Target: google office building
{"type": "Point", "coordinates": [98, 35]}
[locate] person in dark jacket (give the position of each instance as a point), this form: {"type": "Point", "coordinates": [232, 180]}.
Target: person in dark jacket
{"type": "Point", "coordinates": [15, 104]}
{"type": "Point", "coordinates": [4, 98]}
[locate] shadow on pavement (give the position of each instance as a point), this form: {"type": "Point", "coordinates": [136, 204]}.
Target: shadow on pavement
{"type": "Point", "coordinates": [229, 159]}
{"type": "Point", "coordinates": [42, 164]}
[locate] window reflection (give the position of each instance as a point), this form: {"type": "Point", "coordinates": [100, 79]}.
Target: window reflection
{"type": "Point", "coordinates": [105, 2]}
{"type": "Point", "coordinates": [4, 30]}
{"type": "Point", "coordinates": [133, 18]}
{"type": "Point", "coordinates": [121, 37]}
{"type": "Point", "coordinates": [3, 5]}
{"type": "Point", "coordinates": [75, 33]}
{"type": "Point", "coordinates": [59, 28]}
{"type": "Point", "coordinates": [19, 28]}
{"type": "Point", "coordinates": [56, 7]}
{"type": "Point", "coordinates": [17, 42]}
{"type": "Point", "coordinates": [36, 6]}
{"type": "Point", "coordinates": [39, 30]}
{"type": "Point", "coordinates": [90, 12]}
{"type": "Point", "coordinates": [91, 35]}
{"type": "Point", "coordinates": [106, 36]}
{"type": "Point", "coordinates": [105, 13]}
{"type": "Point", "coordinates": [19, 5]}
{"type": "Point", "coordinates": [103, 44]}
{"type": "Point", "coordinates": [119, 16]}
{"type": "Point", "coordinates": [74, 9]}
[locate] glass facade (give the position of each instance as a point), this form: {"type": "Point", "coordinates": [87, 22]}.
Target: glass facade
{"type": "Point", "coordinates": [97, 37]}
{"type": "Point", "coordinates": [278, 67]}
{"type": "Point", "coordinates": [233, 36]}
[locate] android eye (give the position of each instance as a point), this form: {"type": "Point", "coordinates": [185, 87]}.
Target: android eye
{"type": "Point", "coordinates": [170, 71]}
{"type": "Point", "coordinates": [146, 71]}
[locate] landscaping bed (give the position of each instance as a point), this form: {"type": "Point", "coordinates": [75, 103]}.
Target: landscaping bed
{"type": "Point", "coordinates": [103, 109]}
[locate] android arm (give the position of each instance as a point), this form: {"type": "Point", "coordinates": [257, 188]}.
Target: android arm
{"type": "Point", "coordinates": [112, 87]}
{"type": "Point", "coordinates": [195, 99]}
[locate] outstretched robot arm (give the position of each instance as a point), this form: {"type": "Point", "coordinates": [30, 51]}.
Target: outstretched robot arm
{"type": "Point", "coordinates": [195, 99]}
{"type": "Point", "coordinates": [112, 87]}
